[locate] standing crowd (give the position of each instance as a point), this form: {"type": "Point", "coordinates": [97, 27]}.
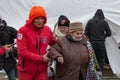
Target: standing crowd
{"type": "Point", "coordinates": [73, 53]}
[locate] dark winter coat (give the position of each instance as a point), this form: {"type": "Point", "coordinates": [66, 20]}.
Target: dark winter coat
{"type": "Point", "coordinates": [75, 56]}
{"type": "Point", "coordinates": [97, 29]}
{"type": "Point", "coordinates": [7, 36]}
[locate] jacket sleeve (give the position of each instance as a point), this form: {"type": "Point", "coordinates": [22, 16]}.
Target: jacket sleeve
{"type": "Point", "coordinates": [23, 52]}
{"type": "Point", "coordinates": [55, 51]}
{"type": "Point", "coordinates": [87, 29]}
{"type": "Point", "coordinates": [52, 39]}
{"type": "Point", "coordinates": [108, 31]}
{"type": "Point", "coordinates": [2, 50]}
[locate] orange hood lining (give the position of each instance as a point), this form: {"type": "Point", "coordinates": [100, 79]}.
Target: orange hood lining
{"type": "Point", "coordinates": [37, 11]}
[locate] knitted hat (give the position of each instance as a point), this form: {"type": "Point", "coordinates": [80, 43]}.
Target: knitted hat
{"type": "Point", "coordinates": [75, 26]}
{"type": "Point", "coordinates": [63, 21]}
{"type": "Point", "coordinates": [37, 11]}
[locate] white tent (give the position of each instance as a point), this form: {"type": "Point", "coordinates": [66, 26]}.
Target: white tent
{"type": "Point", "coordinates": [15, 12]}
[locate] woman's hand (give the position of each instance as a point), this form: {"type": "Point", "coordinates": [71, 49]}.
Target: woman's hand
{"type": "Point", "coordinates": [60, 60]}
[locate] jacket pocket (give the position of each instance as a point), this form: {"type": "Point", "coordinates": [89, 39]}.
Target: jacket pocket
{"type": "Point", "coordinates": [23, 61]}
{"type": "Point", "coordinates": [29, 67]}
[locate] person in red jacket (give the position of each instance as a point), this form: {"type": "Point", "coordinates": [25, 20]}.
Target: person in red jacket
{"type": "Point", "coordinates": [32, 41]}
{"type": "Point", "coordinates": [5, 49]}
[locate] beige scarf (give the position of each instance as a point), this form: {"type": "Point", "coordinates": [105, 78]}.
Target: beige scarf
{"type": "Point", "coordinates": [57, 32]}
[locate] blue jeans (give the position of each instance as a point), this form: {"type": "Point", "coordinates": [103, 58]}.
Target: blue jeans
{"type": "Point", "coordinates": [11, 74]}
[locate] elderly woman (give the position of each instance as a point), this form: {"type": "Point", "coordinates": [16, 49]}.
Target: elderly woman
{"type": "Point", "coordinates": [71, 54]}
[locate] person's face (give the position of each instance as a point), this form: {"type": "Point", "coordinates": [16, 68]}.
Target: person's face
{"type": "Point", "coordinates": [63, 29]}
{"type": "Point", "coordinates": [39, 21]}
{"type": "Point", "coordinates": [77, 35]}
{"type": "Point", "coordinates": [1, 23]}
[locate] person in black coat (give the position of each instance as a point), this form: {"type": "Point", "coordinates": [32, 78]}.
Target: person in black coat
{"type": "Point", "coordinates": [97, 29]}
{"type": "Point", "coordinates": [8, 60]}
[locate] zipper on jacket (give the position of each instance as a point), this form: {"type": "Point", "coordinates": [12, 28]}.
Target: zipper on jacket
{"type": "Point", "coordinates": [38, 42]}
{"type": "Point", "coordinates": [38, 46]}
{"type": "Point", "coordinates": [23, 62]}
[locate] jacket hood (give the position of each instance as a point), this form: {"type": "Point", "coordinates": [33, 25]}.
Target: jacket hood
{"type": "Point", "coordinates": [37, 11]}
{"type": "Point", "coordinates": [99, 14]}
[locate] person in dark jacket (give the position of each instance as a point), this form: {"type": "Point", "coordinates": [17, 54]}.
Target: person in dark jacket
{"type": "Point", "coordinates": [8, 60]}
{"type": "Point", "coordinates": [97, 29]}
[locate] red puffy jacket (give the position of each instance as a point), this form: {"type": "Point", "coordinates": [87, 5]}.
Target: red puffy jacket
{"type": "Point", "coordinates": [32, 43]}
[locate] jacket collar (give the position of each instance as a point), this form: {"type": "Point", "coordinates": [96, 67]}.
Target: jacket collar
{"type": "Point", "coordinates": [29, 25]}
{"type": "Point", "coordinates": [82, 41]}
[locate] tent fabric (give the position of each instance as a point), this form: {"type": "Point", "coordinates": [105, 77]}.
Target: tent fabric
{"type": "Point", "coordinates": [16, 12]}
